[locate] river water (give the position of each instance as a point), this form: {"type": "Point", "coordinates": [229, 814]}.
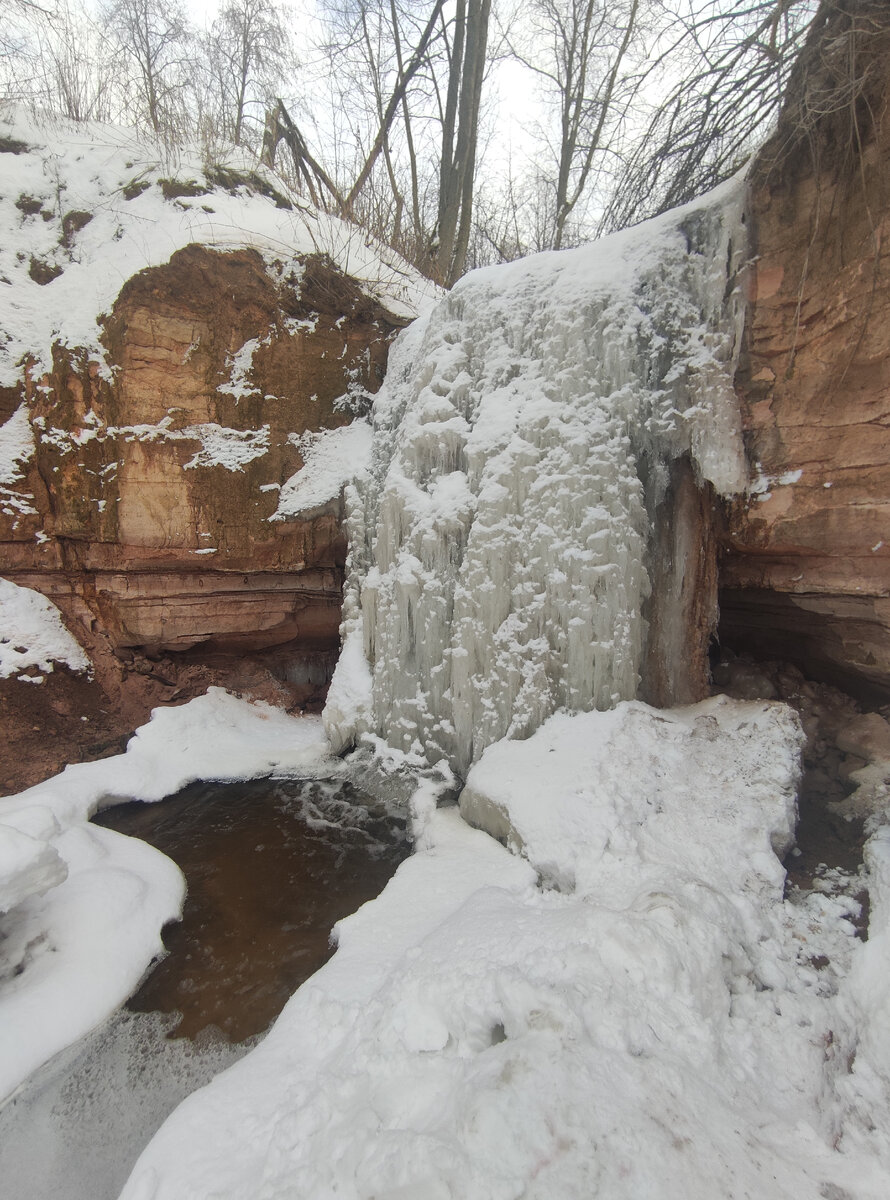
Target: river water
{"type": "Point", "coordinates": [271, 865]}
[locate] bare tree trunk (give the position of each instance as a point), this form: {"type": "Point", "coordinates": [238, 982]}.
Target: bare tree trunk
{"type": "Point", "coordinates": [574, 102]}
{"type": "Point", "coordinates": [395, 100]}
{"type": "Point", "coordinates": [458, 167]}
{"type": "Point", "coordinates": [409, 136]}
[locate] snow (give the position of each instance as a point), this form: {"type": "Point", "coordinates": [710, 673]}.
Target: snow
{"type": "Point", "coordinates": [625, 1006]}
{"type": "Point", "coordinates": [28, 866]}
{"type": "Point", "coordinates": [32, 634]}
{"type": "Point", "coordinates": [522, 442]}
{"type": "Point", "coordinates": [16, 445]}
{"type": "Point", "coordinates": [91, 169]}
{"type": "Point", "coordinates": [220, 445]}
{"type": "Point", "coordinates": [331, 459]}
{"type": "Point", "coordinates": [16, 450]}
{"type": "Point", "coordinates": [225, 447]}
{"type": "Point", "coordinates": [86, 905]}
{"type": "Point", "coordinates": [240, 365]}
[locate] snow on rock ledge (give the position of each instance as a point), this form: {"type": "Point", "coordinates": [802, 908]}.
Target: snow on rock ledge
{"type": "Point", "coordinates": [589, 792]}
{"type": "Point", "coordinates": [331, 459]}
{"type": "Point", "coordinates": [32, 634]}
{"type": "Point", "coordinates": [523, 441]}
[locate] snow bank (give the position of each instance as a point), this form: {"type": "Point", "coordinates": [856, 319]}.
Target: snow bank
{"type": "Point", "coordinates": [82, 210]}
{"type": "Point", "coordinates": [71, 954]}
{"type": "Point", "coordinates": [32, 634]}
{"type": "Point", "coordinates": [28, 867]}
{"type": "Point", "coordinates": [586, 795]}
{"type": "Point", "coordinates": [663, 1026]}
{"type": "Point", "coordinates": [522, 440]}
{"type": "Point", "coordinates": [331, 459]}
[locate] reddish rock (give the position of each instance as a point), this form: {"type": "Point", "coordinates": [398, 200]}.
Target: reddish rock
{"type": "Point", "coordinates": [162, 558]}
{"type": "Point", "coordinates": [149, 536]}
{"type": "Point", "coordinates": [806, 573]}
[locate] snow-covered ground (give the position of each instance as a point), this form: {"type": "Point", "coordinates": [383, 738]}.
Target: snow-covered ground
{"type": "Point", "coordinates": [82, 907]}
{"type": "Point", "coordinates": [625, 1008]}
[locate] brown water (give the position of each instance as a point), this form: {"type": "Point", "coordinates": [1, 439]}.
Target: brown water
{"type": "Point", "coordinates": [271, 866]}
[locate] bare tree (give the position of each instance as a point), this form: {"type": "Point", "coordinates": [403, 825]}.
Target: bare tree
{"type": "Point", "coordinates": [579, 52]}
{"type": "Point", "coordinates": [76, 64]}
{"type": "Point", "coordinates": [460, 132]}
{"type": "Point", "coordinates": [723, 66]}
{"type": "Point", "coordinates": [249, 52]}
{"type": "Point", "coordinates": [156, 40]}
{"type": "Point", "coordinates": [387, 115]}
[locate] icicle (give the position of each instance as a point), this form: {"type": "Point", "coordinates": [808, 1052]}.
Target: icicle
{"type": "Point", "coordinates": [521, 441]}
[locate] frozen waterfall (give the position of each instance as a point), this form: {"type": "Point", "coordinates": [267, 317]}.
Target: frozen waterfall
{"type": "Point", "coordinates": [502, 545]}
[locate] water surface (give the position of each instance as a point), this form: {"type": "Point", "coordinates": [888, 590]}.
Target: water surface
{"type": "Point", "coordinates": [271, 866]}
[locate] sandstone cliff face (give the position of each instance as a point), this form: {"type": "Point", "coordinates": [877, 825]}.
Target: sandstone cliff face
{"type": "Point", "coordinates": [153, 486]}
{"type": "Point", "coordinates": [806, 573]}
{"type": "Point", "coordinates": [177, 341]}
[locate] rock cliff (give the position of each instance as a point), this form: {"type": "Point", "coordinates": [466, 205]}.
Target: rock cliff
{"type": "Point", "coordinates": [185, 340]}
{"type": "Point", "coordinates": [806, 573]}
{"type": "Point", "coordinates": [154, 491]}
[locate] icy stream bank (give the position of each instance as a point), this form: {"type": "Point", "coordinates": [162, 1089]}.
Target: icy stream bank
{"type": "Point", "coordinates": [503, 546]}
{"type": "Point", "coordinates": [662, 1023]}
{"type": "Point", "coordinates": [271, 865]}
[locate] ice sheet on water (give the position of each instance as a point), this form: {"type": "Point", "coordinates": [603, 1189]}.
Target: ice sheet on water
{"type": "Point", "coordinates": [77, 1128]}
{"type": "Point", "coordinates": [521, 444]}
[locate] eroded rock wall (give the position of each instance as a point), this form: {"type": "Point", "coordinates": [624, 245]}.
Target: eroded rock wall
{"type": "Point", "coordinates": [806, 573]}
{"type": "Point", "coordinates": [153, 487]}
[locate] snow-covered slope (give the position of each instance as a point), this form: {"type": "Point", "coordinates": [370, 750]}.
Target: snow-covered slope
{"type": "Point", "coordinates": [32, 636]}
{"type": "Point", "coordinates": [501, 550]}
{"type": "Point", "coordinates": [84, 207]}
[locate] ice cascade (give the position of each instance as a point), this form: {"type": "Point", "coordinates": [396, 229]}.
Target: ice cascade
{"type": "Point", "coordinates": [501, 542]}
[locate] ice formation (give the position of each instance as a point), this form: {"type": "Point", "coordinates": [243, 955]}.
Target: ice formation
{"type": "Point", "coordinates": [522, 442]}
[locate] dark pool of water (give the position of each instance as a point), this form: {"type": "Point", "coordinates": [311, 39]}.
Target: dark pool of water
{"type": "Point", "coordinates": [271, 866]}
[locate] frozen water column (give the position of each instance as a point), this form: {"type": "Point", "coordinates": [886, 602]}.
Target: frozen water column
{"type": "Point", "coordinates": [540, 446]}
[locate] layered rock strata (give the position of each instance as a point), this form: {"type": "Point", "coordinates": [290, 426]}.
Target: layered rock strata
{"type": "Point", "coordinates": [806, 573]}
{"type": "Point", "coordinates": [149, 512]}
